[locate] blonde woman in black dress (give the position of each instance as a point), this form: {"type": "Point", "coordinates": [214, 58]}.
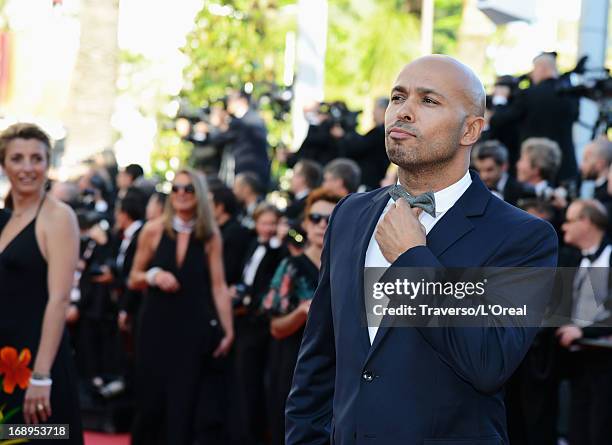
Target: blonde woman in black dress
{"type": "Point", "coordinates": [186, 317]}
{"type": "Point", "coordinates": [39, 247]}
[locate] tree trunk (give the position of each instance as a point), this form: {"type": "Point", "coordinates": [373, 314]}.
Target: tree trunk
{"type": "Point", "coordinates": [93, 89]}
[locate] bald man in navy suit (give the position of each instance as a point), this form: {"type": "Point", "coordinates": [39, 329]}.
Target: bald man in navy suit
{"type": "Point", "coordinates": [357, 384]}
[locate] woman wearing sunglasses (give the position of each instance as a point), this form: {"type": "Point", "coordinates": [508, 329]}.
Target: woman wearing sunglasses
{"type": "Point", "coordinates": [288, 301]}
{"type": "Point", "coordinates": [179, 260]}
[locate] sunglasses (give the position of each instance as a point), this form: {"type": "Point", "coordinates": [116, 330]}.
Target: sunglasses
{"type": "Point", "coordinates": [316, 218]}
{"type": "Point", "coordinates": [189, 188]}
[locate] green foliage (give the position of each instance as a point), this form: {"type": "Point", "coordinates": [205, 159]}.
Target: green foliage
{"type": "Point", "coordinates": [232, 43]}
{"type": "Point", "coordinates": [368, 43]}
{"type": "Point", "coordinates": [227, 51]}
{"type": "Point", "coordinates": [447, 19]}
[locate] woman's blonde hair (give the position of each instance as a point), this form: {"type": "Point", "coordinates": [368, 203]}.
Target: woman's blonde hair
{"type": "Point", "coordinates": [205, 224]}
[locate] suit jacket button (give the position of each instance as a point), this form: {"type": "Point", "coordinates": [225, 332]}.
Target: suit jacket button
{"type": "Point", "coordinates": [368, 376]}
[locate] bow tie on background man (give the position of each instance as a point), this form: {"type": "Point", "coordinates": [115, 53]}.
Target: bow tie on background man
{"type": "Point", "coordinates": [425, 201]}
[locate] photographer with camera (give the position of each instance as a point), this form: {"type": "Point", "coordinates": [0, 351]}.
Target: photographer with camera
{"type": "Point", "coordinates": [504, 90]}
{"type": "Point", "coordinates": [330, 125]}
{"type": "Point", "coordinates": [369, 150]}
{"type": "Point", "coordinates": [244, 141]}
{"type": "Point", "coordinates": [540, 111]}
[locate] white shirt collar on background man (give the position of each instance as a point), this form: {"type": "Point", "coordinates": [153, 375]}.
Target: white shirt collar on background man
{"type": "Point", "coordinates": [501, 184]}
{"type": "Point", "coordinates": [132, 229]}
{"type": "Point", "coordinates": [303, 194]}
{"type": "Point", "coordinates": [128, 234]}
{"type": "Point", "coordinates": [540, 187]}
{"type": "Point", "coordinates": [445, 199]}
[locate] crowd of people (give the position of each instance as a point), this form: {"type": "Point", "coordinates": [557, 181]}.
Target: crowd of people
{"type": "Point", "coordinates": [193, 303]}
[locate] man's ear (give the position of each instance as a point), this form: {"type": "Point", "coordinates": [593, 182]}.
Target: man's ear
{"type": "Point", "coordinates": [472, 130]}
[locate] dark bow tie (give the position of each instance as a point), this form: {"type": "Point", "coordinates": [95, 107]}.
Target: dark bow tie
{"type": "Point", "coordinates": [425, 201]}
{"type": "Point", "coordinates": [593, 256]}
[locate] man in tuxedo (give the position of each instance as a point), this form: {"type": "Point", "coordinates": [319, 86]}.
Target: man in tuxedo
{"type": "Point", "coordinates": [491, 161]}
{"type": "Point", "coordinates": [588, 310]}
{"type": "Point", "coordinates": [418, 385]}
{"type": "Point", "coordinates": [129, 221]}
{"type": "Point", "coordinates": [235, 236]}
{"type": "Point", "coordinates": [249, 192]}
{"type": "Point", "coordinates": [306, 177]}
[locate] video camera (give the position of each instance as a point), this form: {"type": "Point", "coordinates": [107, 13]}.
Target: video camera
{"type": "Point", "coordinates": [595, 84]}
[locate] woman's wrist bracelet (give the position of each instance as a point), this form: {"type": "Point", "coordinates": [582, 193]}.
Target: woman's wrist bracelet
{"type": "Point", "coordinates": [151, 273]}
{"type": "Point", "coordinates": [40, 382]}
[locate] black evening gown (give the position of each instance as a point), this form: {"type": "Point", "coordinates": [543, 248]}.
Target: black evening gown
{"type": "Point", "coordinates": [178, 333]}
{"type": "Point", "coordinates": [23, 299]}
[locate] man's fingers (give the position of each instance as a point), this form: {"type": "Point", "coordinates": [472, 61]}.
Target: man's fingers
{"type": "Point", "coordinates": [403, 204]}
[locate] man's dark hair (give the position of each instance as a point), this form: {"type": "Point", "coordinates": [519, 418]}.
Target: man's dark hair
{"type": "Point", "coordinates": [161, 197]}
{"type": "Point", "coordinates": [240, 94]}
{"type": "Point", "coordinates": [539, 205]}
{"type": "Point", "coordinates": [133, 204]}
{"type": "Point", "coordinates": [265, 207]}
{"type": "Point", "coordinates": [492, 149]}
{"type": "Point", "coordinates": [135, 171]}
{"type": "Point", "coordinates": [347, 170]}
{"type": "Point", "coordinates": [311, 171]}
{"type": "Point", "coordinates": [595, 212]}
{"type": "Point", "coordinates": [223, 195]}
{"type": "Point", "coordinates": [252, 181]}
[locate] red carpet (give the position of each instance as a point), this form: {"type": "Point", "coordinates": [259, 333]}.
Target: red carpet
{"type": "Point", "coordinates": [92, 438]}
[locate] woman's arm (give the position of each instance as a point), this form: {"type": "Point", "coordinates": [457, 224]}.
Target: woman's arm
{"type": "Point", "coordinates": [214, 249]}
{"type": "Point", "coordinates": [286, 325]}
{"type": "Point", "coordinates": [62, 253]}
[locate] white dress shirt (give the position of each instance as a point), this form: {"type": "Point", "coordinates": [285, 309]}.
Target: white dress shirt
{"type": "Point", "coordinates": [128, 234]}
{"type": "Point", "coordinates": [591, 288]}
{"type": "Point", "coordinates": [445, 199]}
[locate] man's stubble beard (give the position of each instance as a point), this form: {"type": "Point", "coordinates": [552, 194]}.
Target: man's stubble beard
{"type": "Point", "coordinates": [433, 157]}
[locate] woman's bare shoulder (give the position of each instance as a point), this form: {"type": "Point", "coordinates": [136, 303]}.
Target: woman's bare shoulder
{"type": "Point", "coordinates": [57, 213]}
{"type": "Point", "coordinates": [153, 228]}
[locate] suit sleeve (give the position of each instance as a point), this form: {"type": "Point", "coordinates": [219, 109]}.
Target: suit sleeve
{"type": "Point", "coordinates": [309, 406]}
{"type": "Point", "coordinates": [486, 357]}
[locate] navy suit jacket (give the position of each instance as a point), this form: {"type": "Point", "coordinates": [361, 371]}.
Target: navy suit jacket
{"type": "Point", "coordinates": [412, 386]}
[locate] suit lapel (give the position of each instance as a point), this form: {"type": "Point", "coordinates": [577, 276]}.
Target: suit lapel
{"type": "Point", "coordinates": [368, 219]}
{"type": "Point", "coordinates": [448, 230]}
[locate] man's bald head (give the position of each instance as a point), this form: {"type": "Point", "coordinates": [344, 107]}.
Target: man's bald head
{"type": "Point", "coordinates": [544, 67]}
{"type": "Point", "coordinates": [435, 115]}
{"type": "Point", "coordinates": [467, 84]}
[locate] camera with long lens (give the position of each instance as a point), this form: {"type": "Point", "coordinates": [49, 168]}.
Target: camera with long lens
{"type": "Point", "coordinates": [193, 124]}
{"type": "Point", "coordinates": [339, 114]}
{"type": "Point", "coordinates": [278, 99]}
